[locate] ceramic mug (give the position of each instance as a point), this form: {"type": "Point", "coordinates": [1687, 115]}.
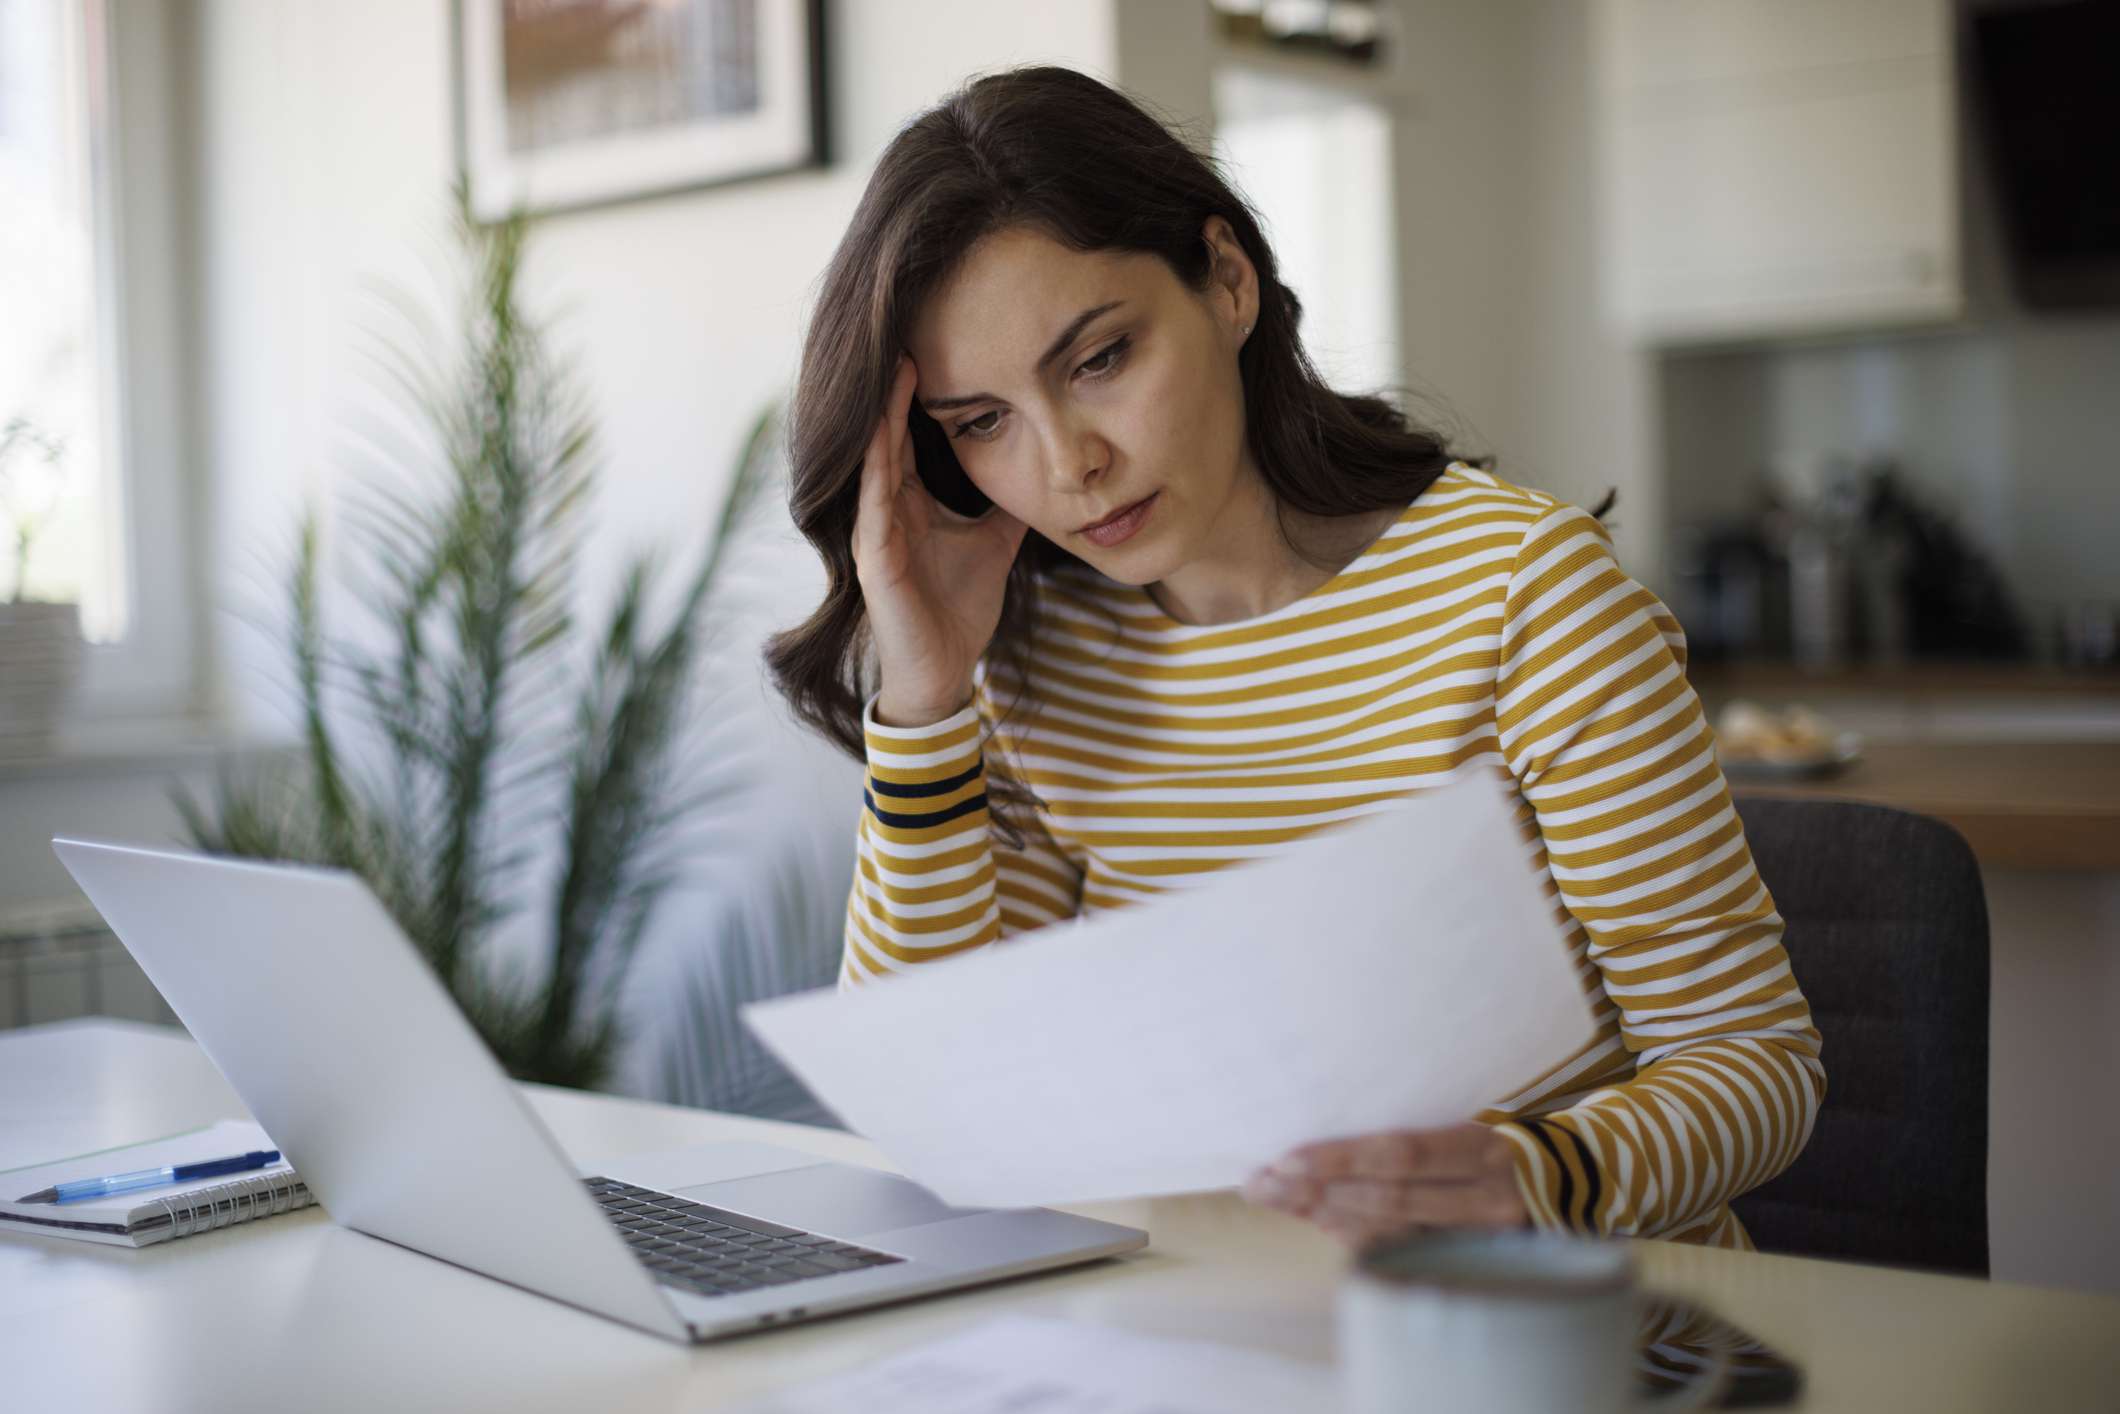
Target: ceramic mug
{"type": "Point", "coordinates": [1507, 1322]}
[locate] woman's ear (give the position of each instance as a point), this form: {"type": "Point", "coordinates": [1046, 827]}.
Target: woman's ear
{"type": "Point", "coordinates": [1232, 282]}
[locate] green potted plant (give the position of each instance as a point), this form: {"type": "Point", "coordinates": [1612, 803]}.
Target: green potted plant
{"type": "Point", "coordinates": [40, 640]}
{"type": "Point", "coordinates": [470, 727]}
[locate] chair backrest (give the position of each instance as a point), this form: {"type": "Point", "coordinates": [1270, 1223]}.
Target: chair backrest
{"type": "Point", "coordinates": [1887, 931]}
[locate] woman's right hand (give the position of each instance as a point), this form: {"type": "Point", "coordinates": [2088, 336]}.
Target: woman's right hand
{"type": "Point", "coordinates": [932, 580]}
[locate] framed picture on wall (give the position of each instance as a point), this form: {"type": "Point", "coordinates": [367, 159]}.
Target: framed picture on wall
{"type": "Point", "coordinates": [571, 103]}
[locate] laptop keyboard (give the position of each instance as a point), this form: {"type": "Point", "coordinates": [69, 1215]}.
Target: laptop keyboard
{"type": "Point", "coordinates": [715, 1252]}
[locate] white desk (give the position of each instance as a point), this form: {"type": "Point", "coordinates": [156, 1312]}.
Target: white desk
{"type": "Point", "coordinates": [292, 1313]}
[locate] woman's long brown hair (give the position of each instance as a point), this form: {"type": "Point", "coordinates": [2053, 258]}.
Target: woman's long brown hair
{"type": "Point", "coordinates": [1064, 154]}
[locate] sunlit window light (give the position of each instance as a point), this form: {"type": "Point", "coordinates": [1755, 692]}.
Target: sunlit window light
{"type": "Point", "coordinates": [61, 477]}
{"type": "Point", "coordinates": [1318, 168]}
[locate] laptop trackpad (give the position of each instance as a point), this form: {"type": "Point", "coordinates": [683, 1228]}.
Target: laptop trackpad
{"type": "Point", "coordinates": [835, 1199]}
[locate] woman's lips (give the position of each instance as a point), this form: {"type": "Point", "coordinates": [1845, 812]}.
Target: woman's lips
{"type": "Point", "coordinates": [1121, 527]}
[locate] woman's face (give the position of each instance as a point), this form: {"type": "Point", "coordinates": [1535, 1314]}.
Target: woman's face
{"type": "Point", "coordinates": [1064, 422]}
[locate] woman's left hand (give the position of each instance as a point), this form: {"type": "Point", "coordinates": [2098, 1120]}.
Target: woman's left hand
{"type": "Point", "coordinates": [1380, 1184]}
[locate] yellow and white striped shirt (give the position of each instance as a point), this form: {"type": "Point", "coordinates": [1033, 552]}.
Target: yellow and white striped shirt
{"type": "Point", "coordinates": [1490, 626]}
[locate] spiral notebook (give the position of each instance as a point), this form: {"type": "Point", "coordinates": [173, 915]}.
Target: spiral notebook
{"type": "Point", "coordinates": [156, 1214]}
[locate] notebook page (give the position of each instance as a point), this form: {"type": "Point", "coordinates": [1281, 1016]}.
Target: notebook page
{"type": "Point", "coordinates": [212, 1142]}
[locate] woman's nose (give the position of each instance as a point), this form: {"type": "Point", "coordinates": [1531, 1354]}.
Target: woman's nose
{"type": "Point", "coordinates": [1075, 457]}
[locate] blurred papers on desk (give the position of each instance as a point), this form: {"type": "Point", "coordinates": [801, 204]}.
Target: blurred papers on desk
{"type": "Point", "coordinates": [1404, 971]}
{"type": "Point", "coordinates": [1016, 1364]}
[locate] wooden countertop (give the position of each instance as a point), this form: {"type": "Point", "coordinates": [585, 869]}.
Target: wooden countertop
{"type": "Point", "coordinates": [2021, 805]}
{"type": "Point", "coordinates": [1776, 679]}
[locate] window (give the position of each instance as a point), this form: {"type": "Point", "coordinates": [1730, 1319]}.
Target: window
{"type": "Point", "coordinates": [90, 362]}
{"type": "Point", "coordinates": [56, 493]}
{"type": "Point", "coordinates": [1317, 166]}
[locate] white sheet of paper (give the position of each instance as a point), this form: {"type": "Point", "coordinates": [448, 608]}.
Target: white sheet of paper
{"type": "Point", "coordinates": [1403, 971]}
{"type": "Point", "coordinates": [1014, 1364]}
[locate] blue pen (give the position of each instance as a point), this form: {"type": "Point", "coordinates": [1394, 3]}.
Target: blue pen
{"type": "Point", "coordinates": [80, 1189]}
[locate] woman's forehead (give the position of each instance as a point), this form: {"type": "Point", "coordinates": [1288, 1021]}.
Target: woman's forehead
{"type": "Point", "coordinates": [1015, 292]}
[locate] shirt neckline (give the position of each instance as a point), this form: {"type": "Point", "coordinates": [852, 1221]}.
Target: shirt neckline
{"type": "Point", "coordinates": [1152, 617]}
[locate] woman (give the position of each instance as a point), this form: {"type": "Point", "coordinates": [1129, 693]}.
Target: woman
{"type": "Point", "coordinates": [1214, 606]}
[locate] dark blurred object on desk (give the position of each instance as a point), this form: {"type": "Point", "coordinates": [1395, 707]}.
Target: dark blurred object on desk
{"type": "Point", "coordinates": [1864, 572]}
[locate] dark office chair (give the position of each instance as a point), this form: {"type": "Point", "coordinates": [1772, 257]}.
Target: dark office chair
{"type": "Point", "coordinates": [1888, 935]}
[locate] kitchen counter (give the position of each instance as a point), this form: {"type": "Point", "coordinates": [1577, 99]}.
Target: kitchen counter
{"type": "Point", "coordinates": [2020, 804]}
{"type": "Point", "coordinates": [1769, 679]}
{"type": "Point", "coordinates": [2022, 759]}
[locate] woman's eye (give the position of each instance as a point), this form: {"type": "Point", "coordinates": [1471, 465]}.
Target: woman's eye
{"type": "Point", "coordinates": [1102, 364]}
{"type": "Point", "coordinates": [1106, 360]}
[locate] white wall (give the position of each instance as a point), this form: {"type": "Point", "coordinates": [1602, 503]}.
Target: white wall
{"type": "Point", "coordinates": [2053, 1060]}
{"type": "Point", "coordinates": [325, 150]}
{"type": "Point", "coordinates": [1498, 280]}
{"type": "Point", "coordinates": [1316, 162]}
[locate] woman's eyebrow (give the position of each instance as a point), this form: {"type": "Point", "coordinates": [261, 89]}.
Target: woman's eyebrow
{"type": "Point", "coordinates": [1058, 347]}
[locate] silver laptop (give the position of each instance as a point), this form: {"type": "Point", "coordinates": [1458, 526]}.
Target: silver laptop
{"type": "Point", "coordinates": [339, 1037]}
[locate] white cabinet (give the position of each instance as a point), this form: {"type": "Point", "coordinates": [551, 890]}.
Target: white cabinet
{"type": "Point", "coordinates": [1776, 167]}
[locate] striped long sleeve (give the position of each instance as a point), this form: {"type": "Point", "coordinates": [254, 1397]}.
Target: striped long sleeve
{"type": "Point", "coordinates": [1720, 1078]}
{"type": "Point", "coordinates": [930, 877]}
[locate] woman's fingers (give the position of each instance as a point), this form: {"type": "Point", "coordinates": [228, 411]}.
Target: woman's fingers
{"type": "Point", "coordinates": [872, 515]}
{"type": "Point", "coordinates": [914, 499]}
{"type": "Point", "coordinates": [898, 432]}
{"type": "Point", "coordinates": [1459, 1152]}
{"type": "Point", "coordinates": [1462, 1176]}
{"type": "Point", "coordinates": [903, 456]}
{"type": "Point", "coordinates": [884, 465]}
